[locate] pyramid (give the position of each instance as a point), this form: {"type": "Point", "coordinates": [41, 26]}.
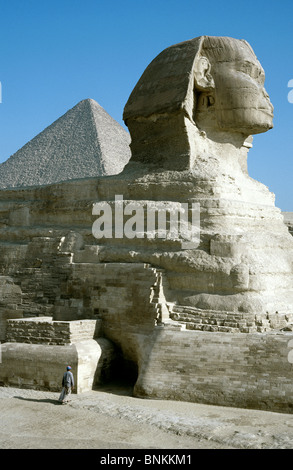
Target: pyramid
{"type": "Point", "coordinates": [84, 142]}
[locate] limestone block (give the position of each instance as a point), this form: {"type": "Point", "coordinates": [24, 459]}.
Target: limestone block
{"type": "Point", "coordinates": [90, 254]}
{"type": "Point", "coordinates": [72, 242]}
{"type": "Point", "coordinates": [240, 277]}
{"type": "Point", "coordinates": [227, 246]}
{"type": "Point", "coordinates": [47, 331]}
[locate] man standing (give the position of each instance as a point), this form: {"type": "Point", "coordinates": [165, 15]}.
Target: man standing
{"type": "Point", "coordinates": [67, 384]}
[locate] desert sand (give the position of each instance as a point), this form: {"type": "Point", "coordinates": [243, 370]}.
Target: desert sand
{"type": "Point", "coordinates": [111, 418]}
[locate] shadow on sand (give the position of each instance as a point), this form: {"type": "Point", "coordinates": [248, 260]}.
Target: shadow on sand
{"type": "Point", "coordinates": [42, 400]}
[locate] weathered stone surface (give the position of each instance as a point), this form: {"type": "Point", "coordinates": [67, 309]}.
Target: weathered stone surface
{"type": "Point", "coordinates": [288, 219]}
{"type": "Point", "coordinates": [85, 142]}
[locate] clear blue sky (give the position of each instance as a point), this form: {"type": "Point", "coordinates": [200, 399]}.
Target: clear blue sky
{"type": "Point", "coordinates": [56, 53]}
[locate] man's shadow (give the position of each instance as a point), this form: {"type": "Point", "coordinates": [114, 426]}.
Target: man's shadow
{"type": "Point", "coordinates": [42, 400]}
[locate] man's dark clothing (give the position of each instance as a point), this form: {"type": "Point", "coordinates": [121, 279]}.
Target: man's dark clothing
{"type": "Point", "coordinates": [68, 380]}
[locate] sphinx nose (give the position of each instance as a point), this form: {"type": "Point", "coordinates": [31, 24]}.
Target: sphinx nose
{"type": "Point", "coordinates": [266, 95]}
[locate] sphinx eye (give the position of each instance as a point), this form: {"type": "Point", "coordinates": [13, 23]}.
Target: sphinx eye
{"type": "Point", "coordinates": [246, 68]}
{"type": "Point", "coordinates": [261, 76]}
{"type": "Point", "coordinates": [254, 72]}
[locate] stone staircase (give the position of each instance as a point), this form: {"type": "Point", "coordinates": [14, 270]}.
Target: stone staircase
{"type": "Point", "coordinates": [229, 322]}
{"type": "Point", "coordinates": [157, 298]}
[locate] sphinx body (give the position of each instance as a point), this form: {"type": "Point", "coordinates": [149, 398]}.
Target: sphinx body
{"type": "Point", "coordinates": [191, 118]}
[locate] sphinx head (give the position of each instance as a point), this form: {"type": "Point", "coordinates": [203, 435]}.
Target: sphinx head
{"type": "Point", "coordinates": [211, 84]}
{"type": "Point", "coordinates": [229, 88]}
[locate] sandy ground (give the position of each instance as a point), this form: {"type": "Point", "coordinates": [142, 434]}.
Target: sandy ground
{"type": "Point", "coordinates": [111, 418]}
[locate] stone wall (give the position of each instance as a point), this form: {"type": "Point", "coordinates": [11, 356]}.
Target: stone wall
{"type": "Point", "coordinates": [229, 369]}
{"type": "Point", "coordinates": [36, 366]}
{"type": "Point", "coordinates": [10, 303]}
{"type": "Point", "coordinates": [37, 350]}
{"type": "Point", "coordinates": [45, 331]}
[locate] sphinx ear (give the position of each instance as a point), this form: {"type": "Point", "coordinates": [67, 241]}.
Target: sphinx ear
{"type": "Point", "coordinates": [202, 78]}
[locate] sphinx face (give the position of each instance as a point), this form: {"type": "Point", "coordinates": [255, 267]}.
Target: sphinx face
{"type": "Point", "coordinates": [241, 101]}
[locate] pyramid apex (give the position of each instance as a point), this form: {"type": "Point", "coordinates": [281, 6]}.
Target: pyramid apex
{"type": "Point", "coordinates": [89, 100]}
{"type": "Point", "coordinates": [93, 104]}
{"type": "Point", "coordinates": [85, 101]}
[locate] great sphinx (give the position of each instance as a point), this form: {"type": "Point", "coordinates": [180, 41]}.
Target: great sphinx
{"type": "Point", "coordinates": [208, 322]}
{"type": "Point", "coordinates": [191, 117]}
